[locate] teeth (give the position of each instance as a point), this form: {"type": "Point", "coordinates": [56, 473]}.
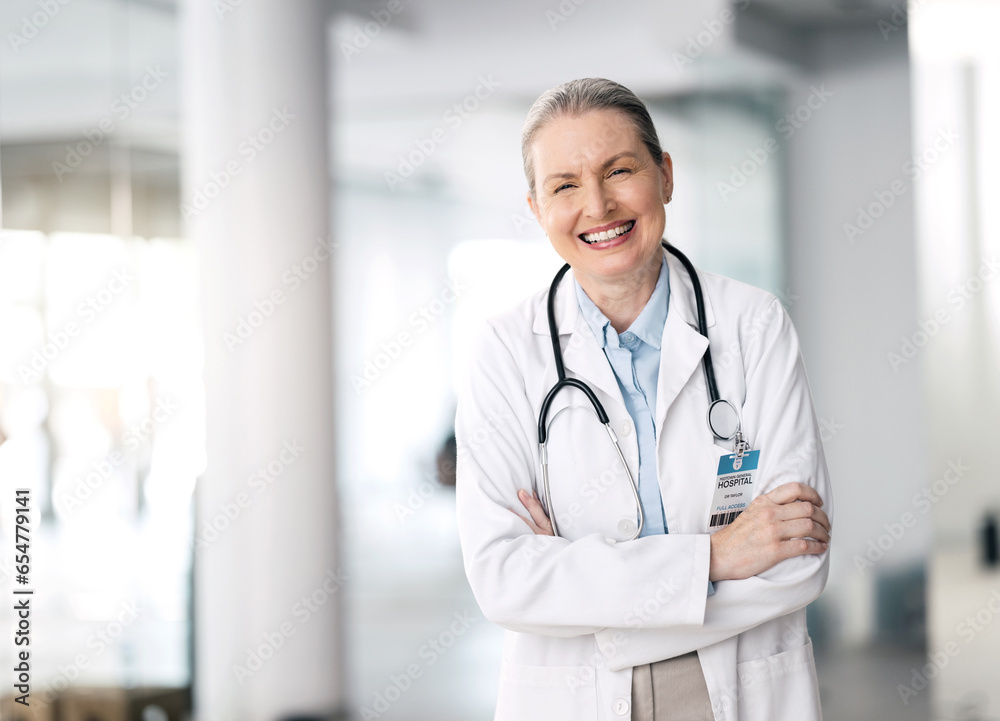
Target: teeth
{"type": "Point", "coordinates": [608, 234]}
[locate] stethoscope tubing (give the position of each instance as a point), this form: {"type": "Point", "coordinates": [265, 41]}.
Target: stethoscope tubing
{"type": "Point", "coordinates": [602, 416]}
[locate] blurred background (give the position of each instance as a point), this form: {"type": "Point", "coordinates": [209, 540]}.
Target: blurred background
{"type": "Point", "coordinates": [244, 247]}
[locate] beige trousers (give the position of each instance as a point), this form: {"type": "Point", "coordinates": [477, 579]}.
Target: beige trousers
{"type": "Point", "coordinates": [671, 690]}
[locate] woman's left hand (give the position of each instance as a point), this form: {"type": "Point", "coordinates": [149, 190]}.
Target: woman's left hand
{"type": "Point", "coordinates": [539, 522]}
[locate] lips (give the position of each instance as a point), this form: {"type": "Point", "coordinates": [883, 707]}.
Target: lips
{"type": "Point", "coordinates": [609, 234]}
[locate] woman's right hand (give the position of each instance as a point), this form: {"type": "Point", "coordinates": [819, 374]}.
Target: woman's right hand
{"type": "Point", "coordinates": [779, 524]}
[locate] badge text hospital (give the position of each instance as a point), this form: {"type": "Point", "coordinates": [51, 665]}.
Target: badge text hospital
{"type": "Point", "coordinates": [733, 488]}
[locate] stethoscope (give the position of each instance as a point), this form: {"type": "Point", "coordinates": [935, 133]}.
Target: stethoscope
{"type": "Point", "coordinates": [723, 420]}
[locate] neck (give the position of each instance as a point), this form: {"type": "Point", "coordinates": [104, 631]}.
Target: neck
{"type": "Point", "coordinates": [621, 300]}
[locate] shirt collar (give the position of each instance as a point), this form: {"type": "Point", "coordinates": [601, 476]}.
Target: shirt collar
{"type": "Point", "coordinates": [648, 326]}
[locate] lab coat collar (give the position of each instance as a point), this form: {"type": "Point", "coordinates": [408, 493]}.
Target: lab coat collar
{"type": "Point", "coordinates": [682, 346]}
{"type": "Point", "coordinates": [568, 318]}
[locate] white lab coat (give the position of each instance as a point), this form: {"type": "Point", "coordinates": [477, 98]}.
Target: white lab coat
{"type": "Point", "coordinates": [582, 609]}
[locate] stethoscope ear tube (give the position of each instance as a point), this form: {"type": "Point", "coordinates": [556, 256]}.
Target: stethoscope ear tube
{"type": "Point", "coordinates": [543, 414]}
{"type": "Point", "coordinates": [543, 458]}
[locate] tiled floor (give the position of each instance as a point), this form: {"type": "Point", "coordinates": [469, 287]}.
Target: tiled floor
{"type": "Point", "coordinates": [861, 685]}
{"type": "Point", "coordinates": [964, 603]}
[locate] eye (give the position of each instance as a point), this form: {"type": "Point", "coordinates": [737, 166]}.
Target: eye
{"type": "Point", "coordinates": [616, 171]}
{"type": "Point", "coordinates": [564, 185]}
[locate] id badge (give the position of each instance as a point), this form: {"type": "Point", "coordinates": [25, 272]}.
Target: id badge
{"type": "Point", "coordinates": [733, 488]}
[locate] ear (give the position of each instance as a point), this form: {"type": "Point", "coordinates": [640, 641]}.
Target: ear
{"type": "Point", "coordinates": [667, 171]}
{"type": "Point", "coordinates": [534, 207]}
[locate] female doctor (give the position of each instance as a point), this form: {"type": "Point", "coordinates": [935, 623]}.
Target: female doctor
{"type": "Point", "coordinates": [646, 598]}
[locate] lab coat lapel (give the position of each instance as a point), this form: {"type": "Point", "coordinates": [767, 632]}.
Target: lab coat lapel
{"type": "Point", "coordinates": [585, 359]}
{"type": "Point", "coordinates": [682, 346]}
{"type": "Point", "coordinates": [582, 356]}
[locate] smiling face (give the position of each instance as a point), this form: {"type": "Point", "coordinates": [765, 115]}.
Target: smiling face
{"type": "Point", "coordinates": [599, 195]}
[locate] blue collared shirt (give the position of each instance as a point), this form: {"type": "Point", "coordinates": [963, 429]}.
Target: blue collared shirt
{"type": "Point", "coordinates": [635, 359]}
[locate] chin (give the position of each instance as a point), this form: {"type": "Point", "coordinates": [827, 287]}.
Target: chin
{"type": "Point", "coordinates": [611, 269]}
{"type": "Point", "coordinates": [627, 258]}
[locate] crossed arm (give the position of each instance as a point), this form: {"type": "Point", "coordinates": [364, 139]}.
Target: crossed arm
{"type": "Point", "coordinates": [786, 522]}
{"type": "Point", "coordinates": [771, 561]}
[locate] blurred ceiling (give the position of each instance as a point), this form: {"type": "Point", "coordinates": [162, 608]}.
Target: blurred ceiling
{"type": "Point", "coordinates": [62, 69]}
{"type": "Point", "coordinates": [65, 63]}
{"type": "Point", "coordinates": [811, 14]}
{"type": "Point", "coordinates": [110, 69]}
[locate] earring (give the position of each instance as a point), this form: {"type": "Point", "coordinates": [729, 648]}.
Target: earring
{"type": "Point", "coordinates": [670, 198]}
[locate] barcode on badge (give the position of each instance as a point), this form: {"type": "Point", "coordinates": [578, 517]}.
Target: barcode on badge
{"type": "Point", "coordinates": [723, 519]}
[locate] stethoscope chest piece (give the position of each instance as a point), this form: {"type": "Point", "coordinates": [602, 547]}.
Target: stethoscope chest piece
{"type": "Point", "coordinates": [723, 420]}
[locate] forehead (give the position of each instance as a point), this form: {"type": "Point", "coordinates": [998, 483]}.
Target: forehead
{"type": "Point", "coordinates": [568, 141]}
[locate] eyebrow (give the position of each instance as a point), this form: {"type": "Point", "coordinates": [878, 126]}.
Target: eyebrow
{"type": "Point", "coordinates": [604, 166]}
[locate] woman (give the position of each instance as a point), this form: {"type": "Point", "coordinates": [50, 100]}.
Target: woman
{"type": "Point", "coordinates": [607, 620]}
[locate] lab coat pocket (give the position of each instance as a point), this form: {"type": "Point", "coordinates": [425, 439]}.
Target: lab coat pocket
{"type": "Point", "coordinates": [546, 692]}
{"type": "Point", "coordinates": [782, 687]}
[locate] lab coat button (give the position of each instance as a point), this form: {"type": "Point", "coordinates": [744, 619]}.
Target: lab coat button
{"type": "Point", "coordinates": [620, 706]}
{"type": "Point", "coordinates": [625, 427]}
{"type": "Point", "coordinates": [626, 527]}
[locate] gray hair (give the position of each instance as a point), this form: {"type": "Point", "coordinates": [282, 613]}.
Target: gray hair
{"type": "Point", "coordinates": [577, 97]}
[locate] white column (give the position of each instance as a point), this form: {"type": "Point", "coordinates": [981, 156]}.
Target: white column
{"type": "Point", "coordinates": [256, 194]}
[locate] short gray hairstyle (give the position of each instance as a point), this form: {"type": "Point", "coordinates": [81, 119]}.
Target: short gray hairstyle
{"type": "Point", "coordinates": [577, 97]}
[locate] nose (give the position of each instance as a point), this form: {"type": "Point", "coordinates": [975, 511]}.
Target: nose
{"type": "Point", "coordinates": [598, 201]}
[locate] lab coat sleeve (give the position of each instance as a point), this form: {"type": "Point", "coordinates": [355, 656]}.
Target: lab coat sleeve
{"type": "Point", "coordinates": [544, 584]}
{"type": "Point", "coordinates": [779, 409]}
